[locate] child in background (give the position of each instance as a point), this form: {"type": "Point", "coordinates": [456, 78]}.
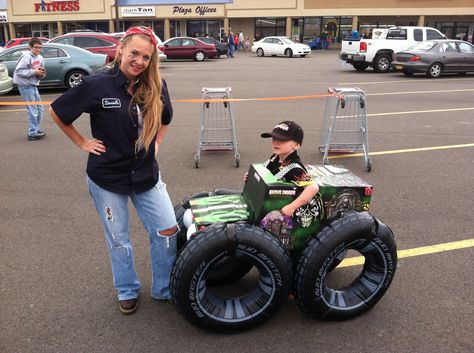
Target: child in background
{"type": "Point", "coordinates": [247, 44]}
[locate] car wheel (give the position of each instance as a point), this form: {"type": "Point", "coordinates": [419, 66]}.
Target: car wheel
{"type": "Point", "coordinates": [408, 73]}
{"type": "Point", "coordinates": [317, 295]}
{"type": "Point", "coordinates": [260, 52]}
{"type": "Point", "coordinates": [199, 56]}
{"type": "Point", "coordinates": [244, 305]}
{"type": "Point", "coordinates": [435, 70]}
{"type": "Point", "coordinates": [74, 78]}
{"type": "Point", "coordinates": [360, 66]}
{"type": "Point", "coordinates": [288, 53]}
{"type": "Point", "coordinates": [382, 63]}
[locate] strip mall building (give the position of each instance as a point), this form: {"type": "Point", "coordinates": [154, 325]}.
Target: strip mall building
{"type": "Point", "coordinates": [302, 19]}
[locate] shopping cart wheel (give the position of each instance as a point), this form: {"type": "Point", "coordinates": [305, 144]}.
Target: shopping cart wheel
{"type": "Point", "coordinates": [362, 102]}
{"type": "Point", "coordinates": [237, 160]}
{"type": "Point", "coordinates": [343, 103]}
{"type": "Point", "coordinates": [207, 105]}
{"type": "Point", "coordinates": [325, 160]}
{"type": "Point", "coordinates": [369, 164]}
{"type": "Point", "coordinates": [196, 160]}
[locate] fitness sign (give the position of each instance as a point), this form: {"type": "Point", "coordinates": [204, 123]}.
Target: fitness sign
{"type": "Point", "coordinates": [57, 6]}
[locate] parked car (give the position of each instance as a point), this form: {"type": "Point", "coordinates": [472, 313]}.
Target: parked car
{"type": "Point", "coordinates": [220, 47]}
{"type": "Point", "coordinates": [378, 53]}
{"type": "Point", "coordinates": [25, 40]}
{"type": "Point", "coordinates": [189, 48]}
{"type": "Point", "coordinates": [434, 57]}
{"type": "Point", "coordinates": [159, 44]}
{"type": "Point", "coordinates": [95, 42]}
{"type": "Point", "coordinates": [280, 46]}
{"type": "Point", "coordinates": [65, 65]}
{"type": "Point", "coordinates": [6, 82]}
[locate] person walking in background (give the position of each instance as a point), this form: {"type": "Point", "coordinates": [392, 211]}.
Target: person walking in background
{"type": "Point", "coordinates": [247, 44]}
{"type": "Point", "coordinates": [230, 41]}
{"type": "Point", "coordinates": [236, 42]}
{"type": "Point", "coordinates": [130, 110]}
{"type": "Point", "coordinates": [324, 40]}
{"type": "Point", "coordinates": [28, 72]}
{"type": "Point", "coordinates": [241, 40]}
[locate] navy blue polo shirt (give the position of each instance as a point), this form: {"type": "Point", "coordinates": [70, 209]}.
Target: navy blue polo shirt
{"type": "Point", "coordinates": [114, 121]}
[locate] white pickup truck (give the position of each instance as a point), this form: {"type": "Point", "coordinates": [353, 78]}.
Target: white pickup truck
{"type": "Point", "coordinates": [378, 53]}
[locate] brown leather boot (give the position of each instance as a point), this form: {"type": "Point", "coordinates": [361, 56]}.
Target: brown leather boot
{"type": "Point", "coordinates": [129, 306]}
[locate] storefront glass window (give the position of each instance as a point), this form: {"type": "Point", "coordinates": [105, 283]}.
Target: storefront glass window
{"type": "Point", "coordinates": [312, 28]}
{"type": "Point", "coordinates": [93, 26]}
{"type": "Point", "coordinates": [175, 29]}
{"type": "Point", "coordinates": [265, 27]}
{"type": "Point", "coordinates": [48, 30]}
{"type": "Point", "coordinates": [453, 30]}
{"type": "Point", "coordinates": [345, 28]}
{"type": "Point", "coordinates": [297, 29]}
{"type": "Point", "coordinates": [196, 28]}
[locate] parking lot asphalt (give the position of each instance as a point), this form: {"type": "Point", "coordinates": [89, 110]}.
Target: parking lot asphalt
{"type": "Point", "coordinates": [56, 290]}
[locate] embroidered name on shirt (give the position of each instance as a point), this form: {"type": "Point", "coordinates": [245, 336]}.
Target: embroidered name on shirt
{"type": "Point", "coordinates": [111, 103]}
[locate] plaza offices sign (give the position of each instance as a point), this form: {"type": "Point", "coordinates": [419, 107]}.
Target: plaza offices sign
{"type": "Point", "coordinates": [170, 2]}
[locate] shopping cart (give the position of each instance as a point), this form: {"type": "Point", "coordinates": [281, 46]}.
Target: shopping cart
{"type": "Point", "coordinates": [345, 124]}
{"type": "Point", "coordinates": [217, 131]}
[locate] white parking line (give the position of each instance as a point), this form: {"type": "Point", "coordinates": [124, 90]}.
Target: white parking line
{"type": "Point", "coordinates": [422, 111]}
{"type": "Point", "coordinates": [422, 92]}
{"type": "Point", "coordinates": [404, 81]}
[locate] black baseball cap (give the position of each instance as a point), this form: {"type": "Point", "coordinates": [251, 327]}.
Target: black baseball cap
{"type": "Point", "coordinates": [286, 130]}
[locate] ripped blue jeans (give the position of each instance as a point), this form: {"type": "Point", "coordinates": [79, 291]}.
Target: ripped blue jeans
{"type": "Point", "coordinates": [156, 212]}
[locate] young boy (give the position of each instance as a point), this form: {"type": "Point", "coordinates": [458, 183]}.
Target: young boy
{"type": "Point", "coordinates": [28, 72]}
{"type": "Point", "coordinates": [286, 165]}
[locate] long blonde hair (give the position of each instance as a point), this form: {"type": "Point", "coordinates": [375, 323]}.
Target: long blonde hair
{"type": "Point", "coordinates": [147, 96]}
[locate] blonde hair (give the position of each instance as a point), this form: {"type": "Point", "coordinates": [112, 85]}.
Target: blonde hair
{"type": "Point", "coordinates": [148, 96]}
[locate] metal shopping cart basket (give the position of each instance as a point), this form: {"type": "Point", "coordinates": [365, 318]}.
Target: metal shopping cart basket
{"type": "Point", "coordinates": [345, 124]}
{"type": "Point", "coordinates": [217, 131]}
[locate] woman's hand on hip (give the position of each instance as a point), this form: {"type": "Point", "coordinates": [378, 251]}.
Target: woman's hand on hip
{"type": "Point", "coordinates": [93, 146]}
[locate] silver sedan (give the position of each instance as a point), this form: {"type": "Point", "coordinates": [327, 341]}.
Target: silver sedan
{"type": "Point", "coordinates": [434, 57]}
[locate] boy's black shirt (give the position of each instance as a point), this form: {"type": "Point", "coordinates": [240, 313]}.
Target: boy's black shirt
{"type": "Point", "coordinates": [296, 171]}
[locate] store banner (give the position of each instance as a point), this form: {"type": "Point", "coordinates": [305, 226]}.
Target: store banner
{"type": "Point", "coordinates": [3, 17]}
{"type": "Point", "coordinates": [170, 2]}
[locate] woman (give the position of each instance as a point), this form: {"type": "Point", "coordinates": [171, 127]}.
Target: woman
{"type": "Point", "coordinates": [128, 123]}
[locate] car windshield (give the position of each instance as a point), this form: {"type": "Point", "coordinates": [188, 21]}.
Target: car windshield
{"type": "Point", "coordinates": [423, 46]}
{"type": "Point", "coordinates": [287, 41]}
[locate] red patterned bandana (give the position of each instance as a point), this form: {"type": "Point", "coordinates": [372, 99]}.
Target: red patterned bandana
{"type": "Point", "coordinates": [141, 30]}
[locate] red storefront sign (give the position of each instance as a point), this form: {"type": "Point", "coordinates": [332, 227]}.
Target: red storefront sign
{"type": "Point", "coordinates": [57, 6]}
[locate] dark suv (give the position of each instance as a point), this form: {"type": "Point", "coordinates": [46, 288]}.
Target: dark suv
{"type": "Point", "coordinates": [95, 42]}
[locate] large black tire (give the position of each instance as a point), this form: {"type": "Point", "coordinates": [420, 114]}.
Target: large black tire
{"type": "Point", "coordinates": [356, 231]}
{"type": "Point", "coordinates": [260, 52]}
{"type": "Point", "coordinates": [288, 53]}
{"type": "Point", "coordinates": [196, 301]}
{"type": "Point", "coordinates": [382, 63]}
{"type": "Point", "coordinates": [359, 66]}
{"type": "Point", "coordinates": [230, 268]}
